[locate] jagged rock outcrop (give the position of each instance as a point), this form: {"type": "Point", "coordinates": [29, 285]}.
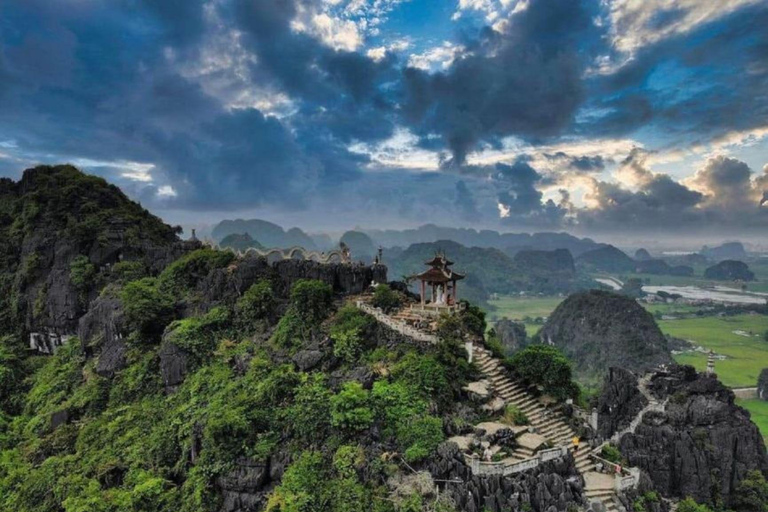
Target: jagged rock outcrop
{"type": "Point", "coordinates": [551, 487]}
{"type": "Point", "coordinates": [344, 278]}
{"type": "Point", "coordinates": [244, 488]}
{"type": "Point", "coordinates": [599, 329]}
{"type": "Point", "coordinates": [619, 402]}
{"type": "Point", "coordinates": [174, 365]}
{"type": "Point", "coordinates": [730, 270]}
{"type": "Point", "coordinates": [701, 445]}
{"type": "Point", "coordinates": [103, 329]}
{"type": "Point", "coordinates": [512, 335]}
{"type": "Point", "coordinates": [226, 285]}
{"type": "Point", "coordinates": [762, 385]}
{"type": "Point", "coordinates": [608, 259]}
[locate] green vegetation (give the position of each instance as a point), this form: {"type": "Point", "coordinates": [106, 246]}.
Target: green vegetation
{"type": "Point", "coordinates": [611, 454]}
{"type": "Point", "coordinates": [256, 307]}
{"type": "Point", "coordinates": [645, 501]}
{"type": "Point", "coordinates": [128, 446]}
{"type": "Point", "coordinates": [385, 298]}
{"type": "Point", "coordinates": [514, 416]}
{"type": "Point", "coordinates": [752, 493]}
{"type": "Point", "coordinates": [347, 332]}
{"type": "Point", "coordinates": [148, 309]}
{"type": "Point", "coordinates": [689, 505]}
{"type": "Point", "coordinates": [525, 309]}
{"type": "Point", "coordinates": [350, 409]}
{"type": "Point", "coordinates": [545, 366]}
{"type": "Point", "coordinates": [181, 276]}
{"type": "Point", "coordinates": [310, 304]}
{"type": "Point", "coordinates": [82, 273]}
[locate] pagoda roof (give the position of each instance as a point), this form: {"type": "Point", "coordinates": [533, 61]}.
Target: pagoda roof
{"type": "Point", "coordinates": [439, 275]}
{"type": "Point", "coordinates": [439, 261]}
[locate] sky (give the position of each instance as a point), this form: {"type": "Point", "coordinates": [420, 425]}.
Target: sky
{"type": "Point", "coordinates": [603, 118]}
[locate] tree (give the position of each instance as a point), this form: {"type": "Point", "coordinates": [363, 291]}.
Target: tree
{"type": "Point", "coordinates": [256, 306]}
{"type": "Point", "coordinates": [147, 309]}
{"type": "Point", "coordinates": [385, 298]}
{"type": "Point", "coordinates": [311, 300]}
{"type": "Point", "coordinates": [752, 493]}
{"type": "Point", "coordinates": [546, 366]}
{"type": "Point", "coordinates": [689, 505]}
{"type": "Point", "coordinates": [350, 409]}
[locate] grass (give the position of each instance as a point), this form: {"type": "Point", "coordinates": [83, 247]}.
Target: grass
{"type": "Point", "coordinates": [518, 308]}
{"type": "Point", "coordinates": [747, 356]}
{"type": "Point", "coordinates": [759, 411]}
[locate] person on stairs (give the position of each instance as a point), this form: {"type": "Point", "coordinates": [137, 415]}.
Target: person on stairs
{"type": "Point", "coordinates": [575, 441]}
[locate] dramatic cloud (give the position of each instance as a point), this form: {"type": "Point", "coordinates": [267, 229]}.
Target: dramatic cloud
{"type": "Point", "coordinates": [524, 82]}
{"type": "Point", "coordinates": [465, 202]}
{"type": "Point", "coordinates": [574, 114]}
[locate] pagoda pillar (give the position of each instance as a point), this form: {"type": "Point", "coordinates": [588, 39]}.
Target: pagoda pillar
{"type": "Point", "coordinates": [455, 293]}
{"type": "Point", "coordinates": [423, 292]}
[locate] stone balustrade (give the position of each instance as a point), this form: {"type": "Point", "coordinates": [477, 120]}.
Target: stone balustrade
{"type": "Point", "coordinates": [396, 325]}
{"type": "Point", "coordinates": [481, 468]}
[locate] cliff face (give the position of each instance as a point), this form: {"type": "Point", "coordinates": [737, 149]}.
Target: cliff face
{"type": "Point", "coordinates": [512, 335]}
{"type": "Point", "coordinates": [702, 445]}
{"type": "Point", "coordinates": [551, 487]}
{"type": "Point", "coordinates": [620, 401]}
{"type": "Point", "coordinates": [599, 329]}
{"type": "Point", "coordinates": [102, 329]}
{"type": "Point", "coordinates": [63, 232]}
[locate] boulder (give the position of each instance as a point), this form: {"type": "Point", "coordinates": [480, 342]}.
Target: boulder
{"type": "Point", "coordinates": [242, 489]}
{"type": "Point", "coordinates": [174, 365]}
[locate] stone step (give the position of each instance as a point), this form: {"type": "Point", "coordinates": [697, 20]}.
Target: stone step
{"type": "Point", "coordinates": [598, 493]}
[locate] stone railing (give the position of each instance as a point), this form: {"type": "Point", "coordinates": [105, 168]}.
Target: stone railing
{"type": "Point", "coordinates": [396, 325]}
{"type": "Point", "coordinates": [623, 478]}
{"type": "Point", "coordinates": [437, 309]}
{"type": "Point", "coordinates": [481, 468]}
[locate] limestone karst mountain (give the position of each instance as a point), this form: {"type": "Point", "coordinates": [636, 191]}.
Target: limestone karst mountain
{"type": "Point", "coordinates": [599, 329]}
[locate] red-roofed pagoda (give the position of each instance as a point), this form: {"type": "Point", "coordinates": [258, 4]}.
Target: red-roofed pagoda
{"type": "Point", "coordinates": [441, 279]}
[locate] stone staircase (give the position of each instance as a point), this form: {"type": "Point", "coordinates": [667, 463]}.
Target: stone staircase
{"type": "Point", "coordinates": [547, 423]}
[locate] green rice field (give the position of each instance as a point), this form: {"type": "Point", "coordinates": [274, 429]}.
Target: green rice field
{"type": "Point", "coordinates": [759, 411]}
{"type": "Point", "coordinates": [747, 355]}
{"type": "Point", "coordinates": [747, 352]}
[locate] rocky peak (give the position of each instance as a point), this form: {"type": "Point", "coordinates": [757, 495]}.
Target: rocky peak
{"type": "Point", "coordinates": [700, 444]}
{"type": "Point", "coordinates": [599, 329]}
